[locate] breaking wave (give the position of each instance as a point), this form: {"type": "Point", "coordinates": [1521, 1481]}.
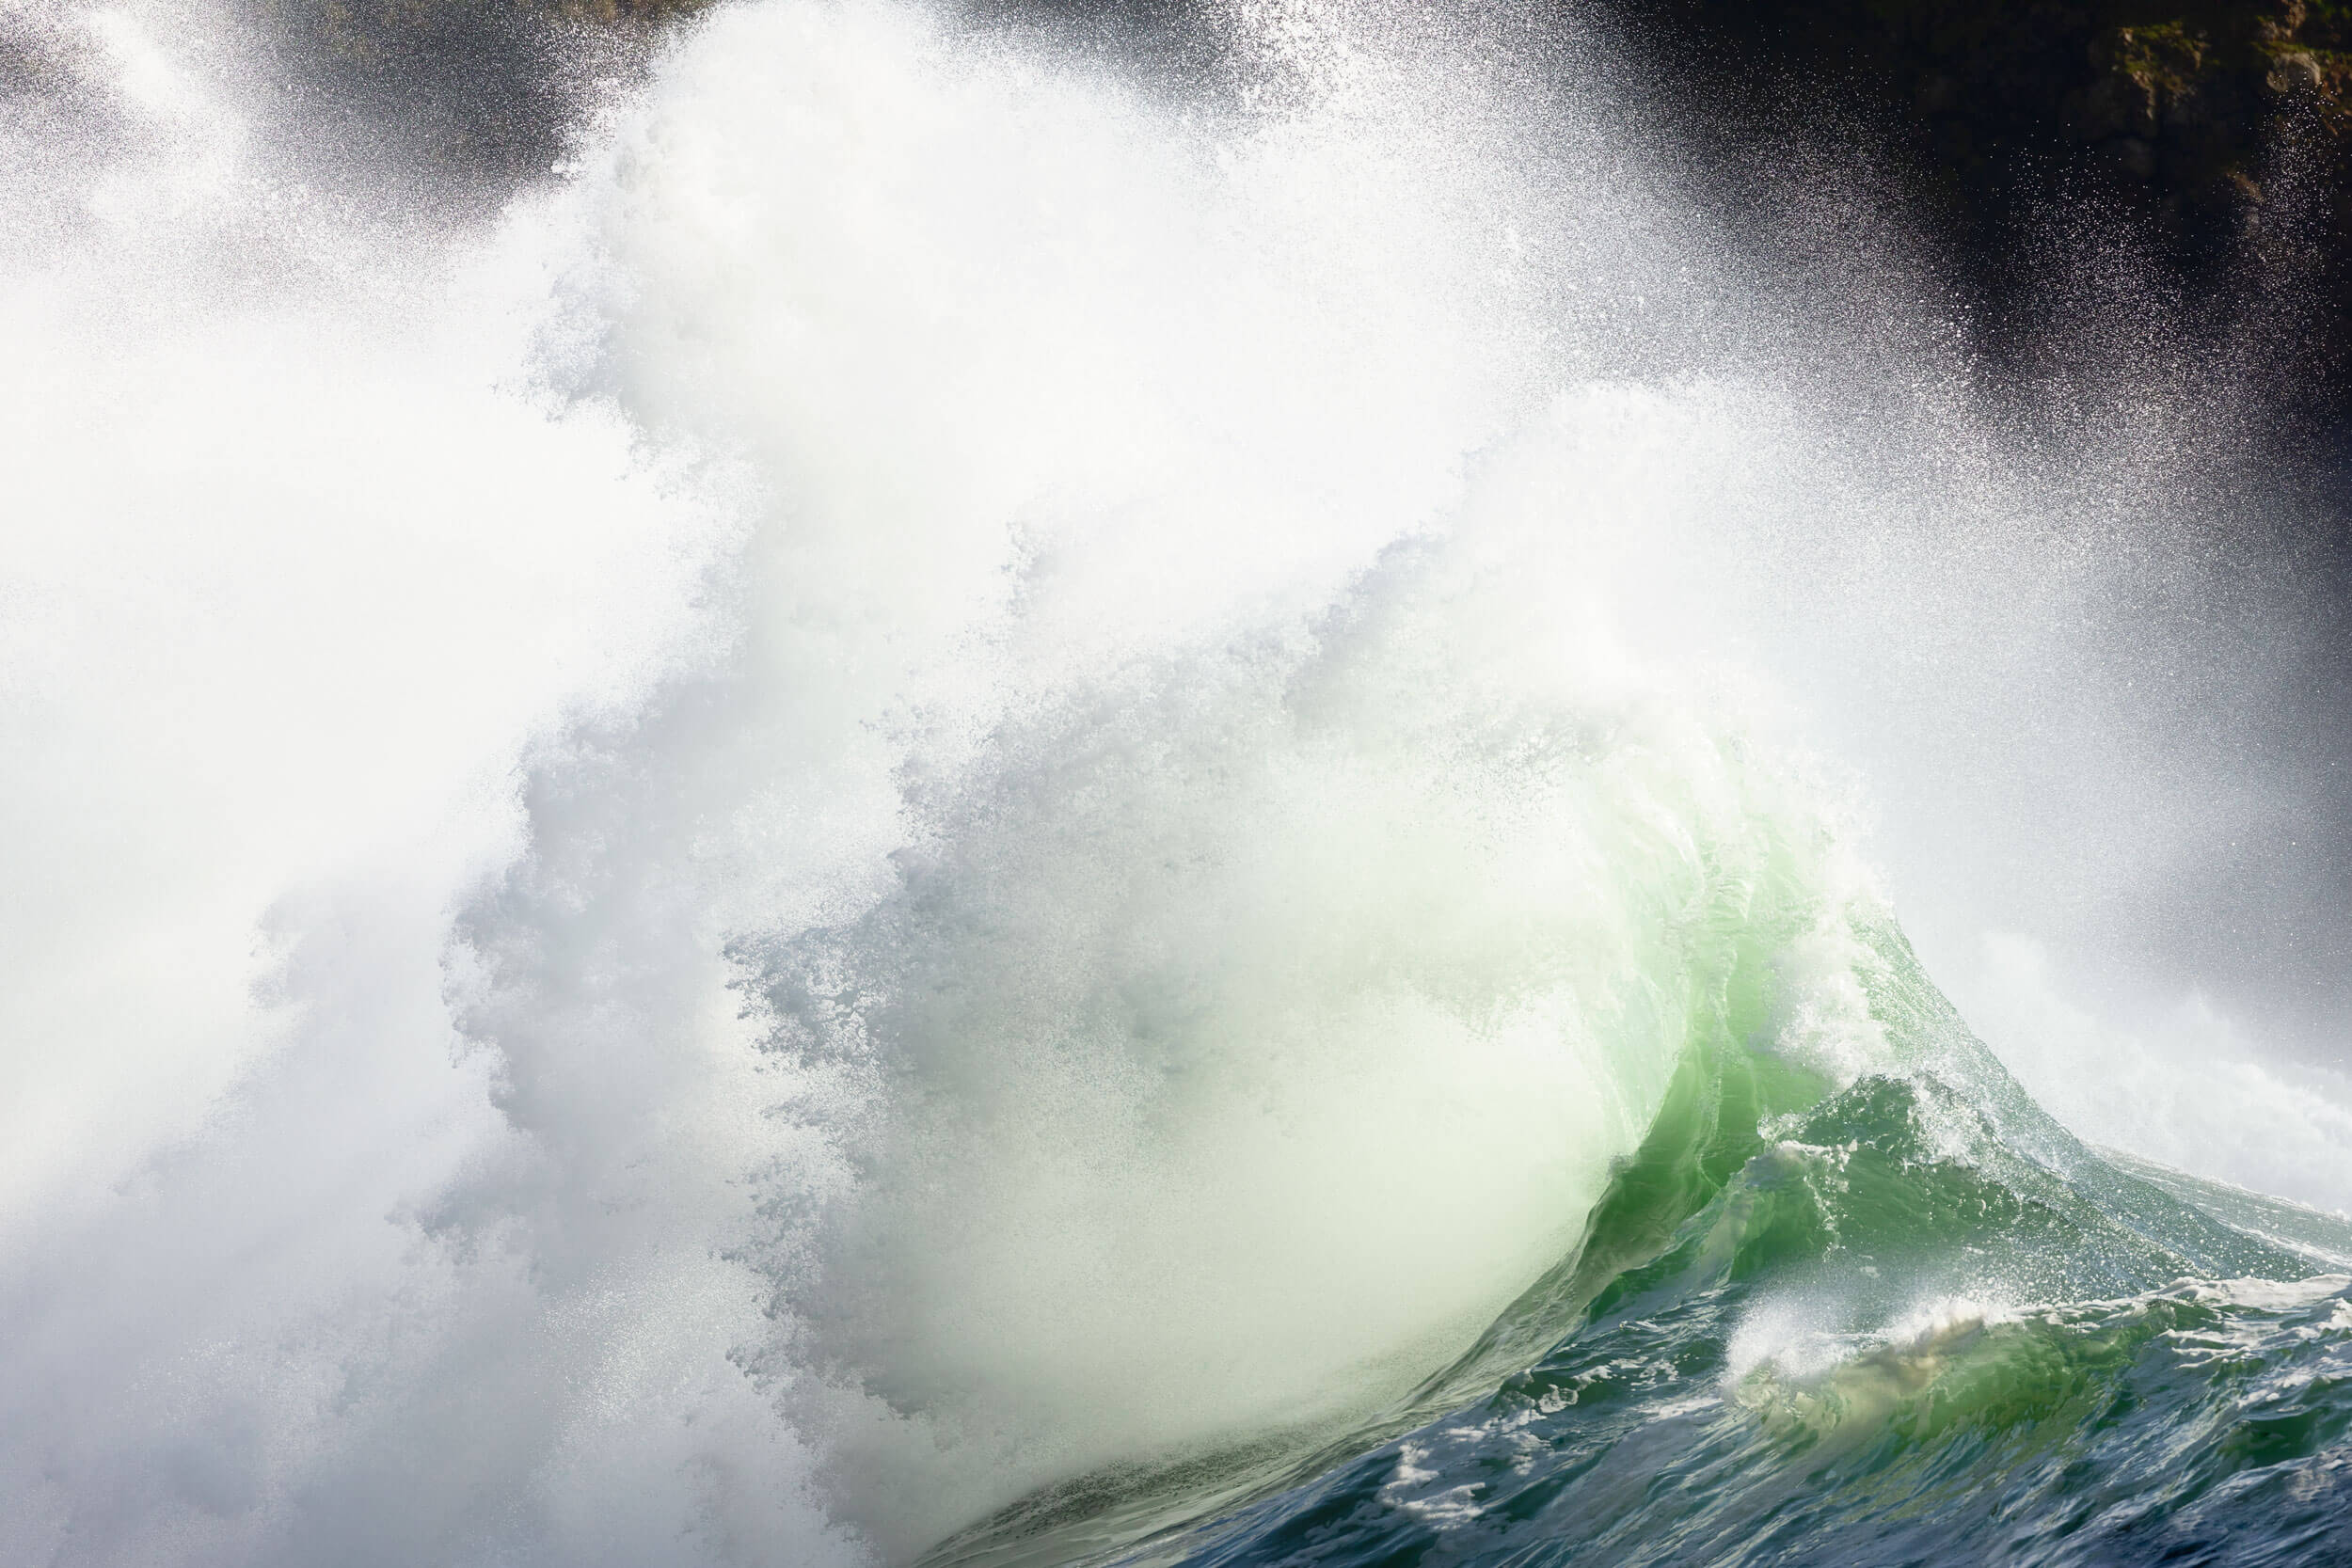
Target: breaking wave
{"type": "Point", "coordinates": [979, 801]}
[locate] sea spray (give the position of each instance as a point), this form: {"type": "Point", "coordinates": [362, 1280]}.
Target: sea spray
{"type": "Point", "coordinates": [1201, 1000]}
{"type": "Point", "coordinates": [970, 783]}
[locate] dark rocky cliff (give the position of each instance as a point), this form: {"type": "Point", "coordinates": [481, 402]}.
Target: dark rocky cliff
{"type": "Point", "coordinates": [2209, 139]}
{"type": "Point", "coordinates": [2216, 135]}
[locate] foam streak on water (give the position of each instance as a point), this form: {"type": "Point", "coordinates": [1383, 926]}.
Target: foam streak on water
{"type": "Point", "coordinates": [957, 782]}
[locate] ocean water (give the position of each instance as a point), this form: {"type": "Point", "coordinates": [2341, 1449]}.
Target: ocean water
{"type": "Point", "coordinates": [998, 794]}
{"type": "Point", "coordinates": [1909, 1322]}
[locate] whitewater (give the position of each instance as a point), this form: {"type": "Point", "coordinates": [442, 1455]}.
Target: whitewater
{"type": "Point", "coordinates": [984, 793]}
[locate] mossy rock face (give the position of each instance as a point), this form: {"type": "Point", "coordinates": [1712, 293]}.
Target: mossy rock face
{"type": "Point", "coordinates": [2220, 130]}
{"type": "Point", "coordinates": [2186, 100]}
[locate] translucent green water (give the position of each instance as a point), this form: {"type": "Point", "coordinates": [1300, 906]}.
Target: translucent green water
{"type": "Point", "coordinates": [1908, 1321]}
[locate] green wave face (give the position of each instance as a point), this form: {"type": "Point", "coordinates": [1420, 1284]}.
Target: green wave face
{"type": "Point", "coordinates": [1909, 1321]}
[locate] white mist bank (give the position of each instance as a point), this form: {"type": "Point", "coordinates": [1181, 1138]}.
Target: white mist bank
{"type": "Point", "coordinates": [289, 571]}
{"type": "Point", "coordinates": [943, 772]}
{"type": "Point", "coordinates": [295, 561]}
